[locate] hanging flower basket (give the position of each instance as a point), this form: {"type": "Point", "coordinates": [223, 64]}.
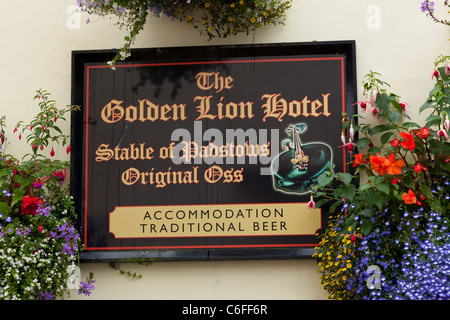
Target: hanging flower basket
{"type": "Point", "coordinates": [213, 18]}
{"type": "Point", "coordinates": [388, 237]}
{"type": "Point", "coordinates": [38, 241]}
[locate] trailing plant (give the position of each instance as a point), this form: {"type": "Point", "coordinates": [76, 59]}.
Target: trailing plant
{"type": "Point", "coordinates": [213, 18]}
{"type": "Point", "coordinates": [38, 241]}
{"type": "Point", "coordinates": [429, 7]}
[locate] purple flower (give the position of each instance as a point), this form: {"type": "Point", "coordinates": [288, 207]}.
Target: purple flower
{"type": "Point", "coordinates": [43, 211]}
{"type": "Point", "coordinates": [427, 6]}
{"type": "Point", "coordinates": [46, 295]}
{"type": "Point", "coordinates": [87, 287]}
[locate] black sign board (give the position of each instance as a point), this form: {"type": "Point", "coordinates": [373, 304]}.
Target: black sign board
{"type": "Point", "coordinates": [207, 152]}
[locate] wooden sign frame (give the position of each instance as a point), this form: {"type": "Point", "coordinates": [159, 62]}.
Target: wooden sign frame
{"type": "Point", "coordinates": [297, 89]}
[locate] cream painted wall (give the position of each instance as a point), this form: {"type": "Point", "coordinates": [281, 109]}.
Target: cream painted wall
{"type": "Point", "coordinates": [392, 38]}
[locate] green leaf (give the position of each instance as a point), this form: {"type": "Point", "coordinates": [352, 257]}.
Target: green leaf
{"type": "Point", "coordinates": [393, 115]}
{"type": "Point", "coordinates": [345, 191]}
{"type": "Point", "coordinates": [383, 187]}
{"type": "Point", "coordinates": [17, 196]}
{"type": "Point", "coordinates": [426, 105]}
{"type": "Point", "coordinates": [379, 128]}
{"type": "Point", "coordinates": [383, 101]}
{"type": "Point", "coordinates": [335, 205]}
{"type": "Point", "coordinates": [324, 179]}
{"type": "Point", "coordinates": [396, 105]}
{"type": "Point", "coordinates": [363, 187]}
{"type": "Point", "coordinates": [426, 191]}
{"type": "Point", "coordinates": [321, 202]}
{"type": "Point", "coordinates": [363, 142]}
{"type": "Point", "coordinates": [376, 198]}
{"type": "Point", "coordinates": [385, 137]}
{"type": "Point", "coordinates": [5, 209]}
{"type": "Point", "coordinates": [366, 226]}
{"type": "Point", "coordinates": [409, 125]}
{"type": "Point", "coordinates": [345, 177]}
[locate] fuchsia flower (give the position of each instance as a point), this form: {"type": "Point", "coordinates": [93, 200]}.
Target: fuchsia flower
{"type": "Point", "coordinates": [351, 132]}
{"type": "Point", "coordinates": [436, 75]}
{"type": "Point", "coordinates": [363, 104]}
{"type": "Point", "coordinates": [311, 204]}
{"type": "Point", "coordinates": [38, 183]}
{"type": "Point", "coordinates": [59, 175]}
{"type": "Point", "coordinates": [52, 153]}
{"type": "Point", "coordinates": [350, 145]}
{"type": "Point", "coordinates": [442, 133]}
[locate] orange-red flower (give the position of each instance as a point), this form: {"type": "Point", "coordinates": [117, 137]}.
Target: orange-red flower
{"type": "Point", "coordinates": [410, 197]}
{"type": "Point", "coordinates": [394, 167]}
{"type": "Point", "coordinates": [408, 143]}
{"type": "Point", "coordinates": [378, 164]}
{"type": "Point", "coordinates": [359, 159]}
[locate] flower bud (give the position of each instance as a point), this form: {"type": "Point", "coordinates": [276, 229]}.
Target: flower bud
{"type": "Point", "coordinates": [343, 138]}
{"type": "Point", "coordinates": [435, 74]}
{"type": "Point", "coordinates": [311, 204]}
{"type": "Point", "coordinates": [351, 132]}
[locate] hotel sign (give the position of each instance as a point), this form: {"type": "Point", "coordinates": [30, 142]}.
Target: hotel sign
{"type": "Point", "coordinates": [211, 149]}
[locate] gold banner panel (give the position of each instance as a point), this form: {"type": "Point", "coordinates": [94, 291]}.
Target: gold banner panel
{"type": "Point", "coordinates": [270, 219]}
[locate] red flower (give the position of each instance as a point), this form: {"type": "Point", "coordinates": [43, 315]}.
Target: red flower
{"type": "Point", "coordinates": [52, 153]}
{"type": "Point", "coordinates": [30, 205]}
{"type": "Point", "coordinates": [418, 167]}
{"type": "Point", "coordinates": [395, 143]}
{"type": "Point", "coordinates": [409, 197]}
{"type": "Point", "coordinates": [359, 159]}
{"type": "Point", "coordinates": [408, 143]}
{"type": "Point", "coordinates": [423, 133]}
